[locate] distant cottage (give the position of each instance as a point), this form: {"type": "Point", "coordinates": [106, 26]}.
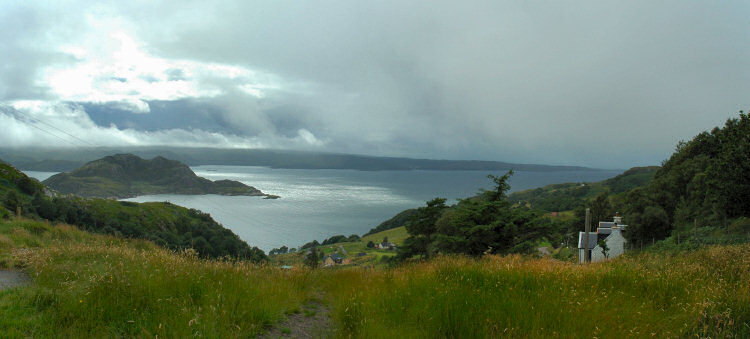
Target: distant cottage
{"type": "Point", "coordinates": [333, 259]}
{"type": "Point", "coordinates": [386, 246]}
{"type": "Point", "coordinates": [612, 234]}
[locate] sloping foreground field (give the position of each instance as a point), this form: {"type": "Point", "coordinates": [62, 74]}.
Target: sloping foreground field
{"type": "Point", "coordinates": [704, 292]}
{"type": "Point", "coordinates": [86, 285]}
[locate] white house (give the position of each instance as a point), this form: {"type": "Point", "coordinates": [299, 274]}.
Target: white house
{"type": "Point", "coordinates": [612, 232]}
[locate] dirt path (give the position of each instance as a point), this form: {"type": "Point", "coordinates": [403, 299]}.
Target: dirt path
{"type": "Point", "coordinates": [10, 279]}
{"type": "Point", "coordinates": [312, 322]}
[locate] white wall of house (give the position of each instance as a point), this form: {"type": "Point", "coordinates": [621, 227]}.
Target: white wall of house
{"type": "Point", "coordinates": [615, 242]}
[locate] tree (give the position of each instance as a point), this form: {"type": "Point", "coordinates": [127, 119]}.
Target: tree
{"type": "Point", "coordinates": [44, 207]}
{"type": "Point", "coordinates": [600, 208]}
{"type": "Point", "coordinates": [370, 244]}
{"type": "Point", "coordinates": [647, 221]}
{"type": "Point", "coordinates": [26, 185]}
{"type": "Point", "coordinates": [489, 223]}
{"type": "Point", "coordinates": [605, 248]}
{"type": "Point", "coordinates": [335, 239]}
{"type": "Point", "coordinates": [353, 238]}
{"type": "Point", "coordinates": [421, 228]}
{"type": "Point", "coordinates": [311, 259]}
{"type": "Point", "coordinates": [12, 201]}
{"type": "Point", "coordinates": [311, 244]}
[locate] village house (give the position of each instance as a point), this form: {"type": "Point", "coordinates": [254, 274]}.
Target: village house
{"type": "Point", "coordinates": [386, 246]}
{"type": "Point", "coordinates": [611, 232]}
{"type": "Point", "coordinates": [333, 259]}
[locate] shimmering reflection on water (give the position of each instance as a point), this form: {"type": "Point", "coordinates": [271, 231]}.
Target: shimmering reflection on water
{"type": "Point", "coordinates": [316, 204]}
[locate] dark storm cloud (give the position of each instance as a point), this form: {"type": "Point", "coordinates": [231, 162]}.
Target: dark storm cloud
{"type": "Point", "coordinates": [600, 83]}
{"type": "Point", "coordinates": [533, 80]}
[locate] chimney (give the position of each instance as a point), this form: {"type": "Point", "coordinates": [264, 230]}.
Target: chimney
{"type": "Point", "coordinates": [618, 218]}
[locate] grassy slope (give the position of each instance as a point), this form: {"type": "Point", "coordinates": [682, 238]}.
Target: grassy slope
{"type": "Point", "coordinates": [561, 197]}
{"type": "Point", "coordinates": [373, 257]}
{"type": "Point", "coordinates": [88, 285]}
{"type": "Point", "coordinates": [648, 295]}
{"type": "Point", "coordinates": [166, 224]}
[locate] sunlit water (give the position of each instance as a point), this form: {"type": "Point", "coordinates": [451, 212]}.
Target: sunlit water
{"type": "Point", "coordinates": [316, 204]}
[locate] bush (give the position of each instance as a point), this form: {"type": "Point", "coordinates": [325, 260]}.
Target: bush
{"type": "Point", "coordinates": [564, 254]}
{"type": "Point", "coordinates": [740, 226]}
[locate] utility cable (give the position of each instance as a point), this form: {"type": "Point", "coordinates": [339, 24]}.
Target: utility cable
{"type": "Point", "coordinates": [66, 133]}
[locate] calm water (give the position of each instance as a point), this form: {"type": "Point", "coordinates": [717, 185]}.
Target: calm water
{"type": "Point", "coordinates": [316, 204]}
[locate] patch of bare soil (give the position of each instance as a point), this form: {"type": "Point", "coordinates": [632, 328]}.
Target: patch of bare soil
{"type": "Point", "coordinates": [10, 279]}
{"type": "Point", "coordinates": [311, 322]}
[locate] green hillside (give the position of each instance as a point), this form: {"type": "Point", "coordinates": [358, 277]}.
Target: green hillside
{"type": "Point", "coordinates": [567, 196]}
{"type": "Point", "coordinates": [126, 175]}
{"type": "Point", "coordinates": [166, 224]}
{"type": "Point", "coordinates": [357, 252]}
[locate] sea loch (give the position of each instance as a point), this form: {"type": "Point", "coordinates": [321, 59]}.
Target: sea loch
{"type": "Point", "coordinates": [316, 204]}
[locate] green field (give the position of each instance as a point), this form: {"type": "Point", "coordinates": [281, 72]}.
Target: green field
{"type": "Point", "coordinates": [351, 249]}
{"type": "Point", "coordinates": [86, 285]}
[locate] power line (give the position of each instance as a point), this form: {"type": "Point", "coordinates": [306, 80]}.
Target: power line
{"type": "Point", "coordinates": [54, 135]}
{"type": "Point", "coordinates": [66, 133]}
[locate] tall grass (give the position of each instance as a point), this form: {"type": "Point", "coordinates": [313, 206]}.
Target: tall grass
{"type": "Point", "coordinates": [704, 293]}
{"type": "Point", "coordinates": [87, 285]}
{"type": "Point", "coordinates": [98, 286]}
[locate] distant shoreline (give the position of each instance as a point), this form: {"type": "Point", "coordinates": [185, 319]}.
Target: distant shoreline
{"type": "Point", "coordinates": [62, 160]}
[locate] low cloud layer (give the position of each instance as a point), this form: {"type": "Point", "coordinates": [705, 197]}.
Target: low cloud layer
{"type": "Point", "coordinates": [604, 84]}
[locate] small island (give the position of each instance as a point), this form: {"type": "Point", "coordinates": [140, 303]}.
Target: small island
{"type": "Point", "coordinates": [126, 175]}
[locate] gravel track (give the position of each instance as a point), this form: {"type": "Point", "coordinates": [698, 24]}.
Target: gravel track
{"type": "Point", "coordinates": [10, 279]}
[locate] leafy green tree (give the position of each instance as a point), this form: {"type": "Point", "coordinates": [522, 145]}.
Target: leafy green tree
{"type": "Point", "coordinates": [706, 181]}
{"type": "Point", "coordinates": [489, 224]}
{"type": "Point", "coordinates": [370, 244]}
{"type": "Point", "coordinates": [27, 185]}
{"type": "Point", "coordinates": [647, 220]}
{"type": "Point", "coordinates": [605, 248]}
{"type": "Point", "coordinates": [201, 245]}
{"type": "Point", "coordinates": [601, 209]}
{"type": "Point", "coordinates": [311, 244]}
{"type": "Point", "coordinates": [12, 201]}
{"type": "Point", "coordinates": [312, 259]}
{"type": "Point", "coordinates": [421, 228]}
{"type": "Point", "coordinates": [335, 239]}
{"type": "Point", "coordinates": [44, 207]}
{"type": "Point", "coordinates": [353, 238]}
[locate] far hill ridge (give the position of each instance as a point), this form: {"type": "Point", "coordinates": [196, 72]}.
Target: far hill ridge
{"type": "Point", "coordinates": [127, 175]}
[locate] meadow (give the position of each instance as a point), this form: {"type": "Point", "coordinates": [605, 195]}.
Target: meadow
{"type": "Point", "coordinates": [86, 285]}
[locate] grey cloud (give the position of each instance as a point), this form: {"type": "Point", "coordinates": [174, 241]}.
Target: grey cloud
{"type": "Point", "coordinates": [607, 84]}
{"type": "Point", "coordinates": [175, 74]}
{"type": "Point", "coordinates": [21, 57]}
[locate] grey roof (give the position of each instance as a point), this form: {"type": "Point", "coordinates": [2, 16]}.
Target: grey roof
{"type": "Point", "coordinates": [606, 224]}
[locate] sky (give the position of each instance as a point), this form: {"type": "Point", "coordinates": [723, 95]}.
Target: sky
{"type": "Point", "coordinates": [608, 84]}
